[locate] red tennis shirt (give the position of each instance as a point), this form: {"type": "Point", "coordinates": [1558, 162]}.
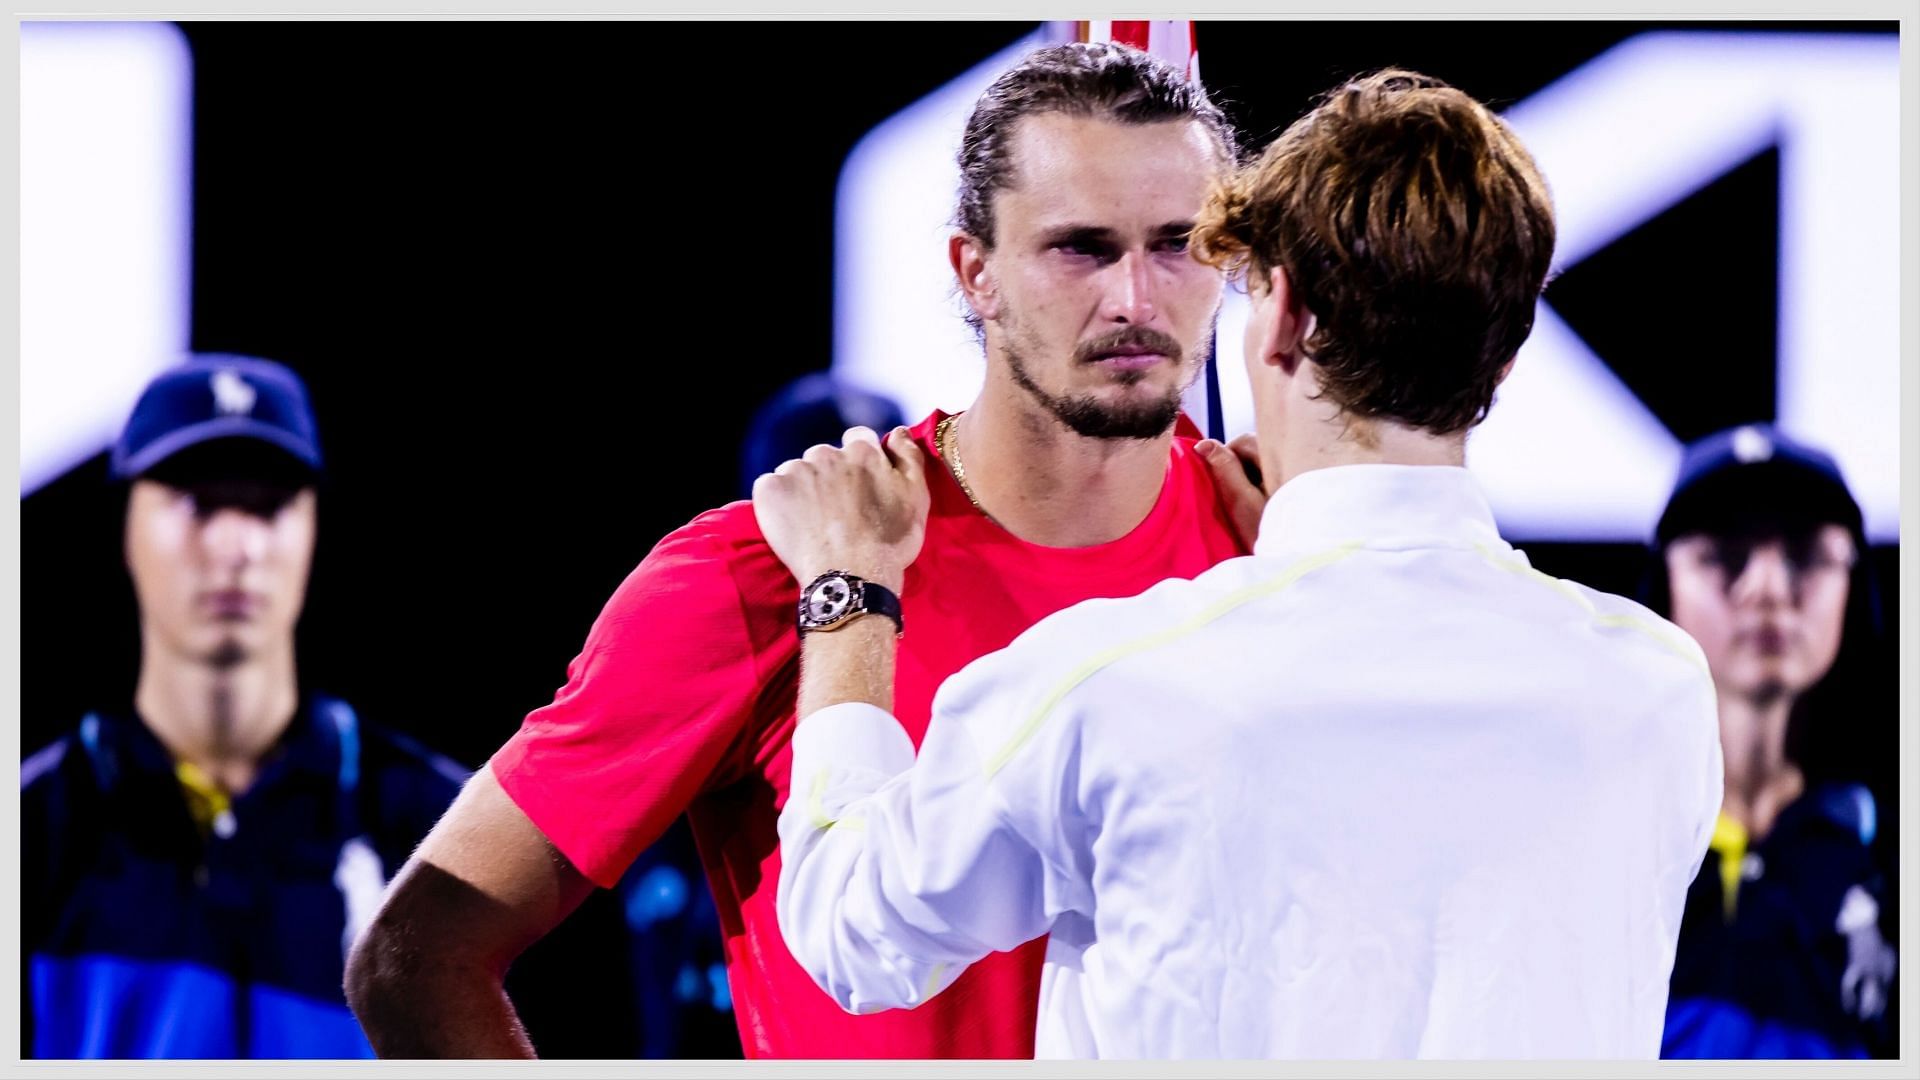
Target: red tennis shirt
{"type": "Point", "coordinates": [682, 701]}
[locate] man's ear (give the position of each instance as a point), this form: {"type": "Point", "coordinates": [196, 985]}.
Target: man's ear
{"type": "Point", "coordinates": [969, 258]}
{"type": "Point", "coordinates": [1286, 324]}
{"type": "Point", "coordinates": [1506, 369]}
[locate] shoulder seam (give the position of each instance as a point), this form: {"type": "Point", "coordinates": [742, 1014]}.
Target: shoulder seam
{"type": "Point", "coordinates": [1623, 620]}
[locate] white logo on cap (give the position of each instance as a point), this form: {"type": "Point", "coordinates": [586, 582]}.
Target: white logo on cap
{"type": "Point", "coordinates": [231, 394]}
{"type": "Point", "coordinates": [1750, 444]}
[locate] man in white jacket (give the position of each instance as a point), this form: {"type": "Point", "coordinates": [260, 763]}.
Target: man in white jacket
{"type": "Point", "coordinates": [1379, 789]}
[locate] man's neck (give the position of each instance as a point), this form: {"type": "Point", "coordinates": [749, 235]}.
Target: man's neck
{"type": "Point", "coordinates": [1317, 436]}
{"type": "Point", "coordinates": [221, 718]}
{"type": "Point", "coordinates": [1048, 485]}
{"type": "Point", "coordinates": [1760, 780]}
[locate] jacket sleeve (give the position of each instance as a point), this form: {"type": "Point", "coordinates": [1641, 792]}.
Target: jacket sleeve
{"type": "Point", "coordinates": [897, 874]}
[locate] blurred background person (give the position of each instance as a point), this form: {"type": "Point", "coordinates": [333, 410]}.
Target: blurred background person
{"type": "Point", "coordinates": [1787, 944]}
{"type": "Point", "coordinates": [813, 409]}
{"type": "Point", "coordinates": [197, 860]}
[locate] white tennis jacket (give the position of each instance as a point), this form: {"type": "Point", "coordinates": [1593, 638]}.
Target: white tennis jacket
{"type": "Point", "coordinates": [1379, 789]}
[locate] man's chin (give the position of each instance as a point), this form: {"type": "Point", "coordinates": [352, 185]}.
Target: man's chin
{"type": "Point", "coordinates": [1140, 405]}
{"type": "Point", "coordinates": [1769, 684]}
{"type": "Point", "coordinates": [227, 653]}
{"type": "Point", "coordinates": [1095, 419]}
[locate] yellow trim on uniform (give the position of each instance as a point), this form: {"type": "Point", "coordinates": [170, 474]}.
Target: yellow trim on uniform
{"type": "Point", "coordinates": [817, 809]}
{"type": "Point", "coordinates": [816, 804]}
{"type": "Point", "coordinates": [1538, 577]}
{"type": "Point", "coordinates": [1604, 622]}
{"type": "Point", "coordinates": [933, 980]}
{"type": "Point", "coordinates": [206, 799]}
{"type": "Point", "coordinates": [1730, 843]}
{"type": "Point", "coordinates": [1664, 640]}
{"type": "Point", "coordinates": [1152, 641]}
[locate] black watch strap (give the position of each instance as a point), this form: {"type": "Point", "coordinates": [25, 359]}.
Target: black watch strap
{"type": "Point", "coordinates": [880, 600]}
{"type": "Point", "coordinates": [836, 597]}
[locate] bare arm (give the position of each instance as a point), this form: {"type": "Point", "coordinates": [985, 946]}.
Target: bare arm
{"type": "Point", "coordinates": [926, 877]}
{"type": "Point", "coordinates": [862, 508]}
{"type": "Point", "coordinates": [426, 979]}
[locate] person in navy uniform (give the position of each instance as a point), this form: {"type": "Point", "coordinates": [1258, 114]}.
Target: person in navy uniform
{"type": "Point", "coordinates": [197, 862]}
{"type": "Point", "coordinates": [1787, 945]}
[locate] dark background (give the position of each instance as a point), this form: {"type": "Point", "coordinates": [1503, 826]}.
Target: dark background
{"type": "Point", "coordinates": [539, 275]}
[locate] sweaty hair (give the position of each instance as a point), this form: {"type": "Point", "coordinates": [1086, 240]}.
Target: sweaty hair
{"type": "Point", "coordinates": [1097, 80]}
{"type": "Point", "coordinates": [1414, 226]}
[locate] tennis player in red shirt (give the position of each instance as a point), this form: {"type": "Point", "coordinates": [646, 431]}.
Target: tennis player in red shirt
{"type": "Point", "coordinates": [1082, 171]}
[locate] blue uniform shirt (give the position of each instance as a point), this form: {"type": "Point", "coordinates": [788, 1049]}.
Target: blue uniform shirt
{"type": "Point", "coordinates": [1793, 960]}
{"type": "Point", "coordinates": [149, 936]}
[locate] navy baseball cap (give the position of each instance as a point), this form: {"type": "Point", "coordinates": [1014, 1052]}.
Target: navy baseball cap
{"type": "Point", "coordinates": [218, 396]}
{"type": "Point", "coordinates": [1755, 477]}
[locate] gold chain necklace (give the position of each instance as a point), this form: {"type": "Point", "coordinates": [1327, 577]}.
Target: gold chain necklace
{"type": "Point", "coordinates": [950, 453]}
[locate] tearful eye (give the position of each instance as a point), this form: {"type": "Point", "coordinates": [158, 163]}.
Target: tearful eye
{"type": "Point", "coordinates": [1084, 251]}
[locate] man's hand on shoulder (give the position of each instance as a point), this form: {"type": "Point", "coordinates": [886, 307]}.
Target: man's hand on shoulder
{"type": "Point", "coordinates": [861, 508]}
{"type": "Point", "coordinates": [1236, 473]}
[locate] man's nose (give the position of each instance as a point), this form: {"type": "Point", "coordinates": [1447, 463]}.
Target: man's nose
{"type": "Point", "coordinates": [1129, 290]}
{"type": "Point", "coordinates": [234, 538]}
{"type": "Point", "coordinates": [1768, 577]}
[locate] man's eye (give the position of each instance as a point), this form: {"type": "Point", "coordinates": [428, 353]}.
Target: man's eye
{"type": "Point", "coordinates": [1082, 250]}
{"type": "Point", "coordinates": [1175, 244]}
{"type": "Point", "coordinates": [1816, 558]}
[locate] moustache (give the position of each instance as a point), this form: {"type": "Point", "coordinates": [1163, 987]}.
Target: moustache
{"type": "Point", "coordinates": [1137, 339]}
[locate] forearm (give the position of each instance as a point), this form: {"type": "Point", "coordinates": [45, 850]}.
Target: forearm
{"type": "Point", "coordinates": [860, 510]}
{"type": "Point", "coordinates": [423, 1002]}
{"type": "Point", "coordinates": [898, 871]}
{"type": "Point", "coordinates": [419, 992]}
{"type": "Point", "coordinates": [847, 835]}
{"type": "Point", "coordinates": [426, 978]}
{"type": "Point", "coordinates": [852, 663]}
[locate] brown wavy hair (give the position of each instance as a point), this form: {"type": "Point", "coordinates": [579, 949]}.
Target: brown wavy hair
{"type": "Point", "coordinates": [1090, 79]}
{"type": "Point", "coordinates": [1414, 226]}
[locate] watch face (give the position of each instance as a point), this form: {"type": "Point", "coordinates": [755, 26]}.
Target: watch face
{"type": "Point", "coordinates": [828, 600]}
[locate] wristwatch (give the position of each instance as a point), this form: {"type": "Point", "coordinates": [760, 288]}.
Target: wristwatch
{"type": "Point", "coordinates": [836, 598]}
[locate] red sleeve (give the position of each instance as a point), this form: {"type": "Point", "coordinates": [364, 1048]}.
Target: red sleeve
{"type": "Point", "coordinates": [660, 704]}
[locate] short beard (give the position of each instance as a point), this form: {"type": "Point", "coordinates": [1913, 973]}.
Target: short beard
{"type": "Point", "coordinates": [1088, 417]}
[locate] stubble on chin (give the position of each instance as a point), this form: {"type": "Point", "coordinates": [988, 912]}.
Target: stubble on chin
{"type": "Point", "coordinates": [1087, 416]}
